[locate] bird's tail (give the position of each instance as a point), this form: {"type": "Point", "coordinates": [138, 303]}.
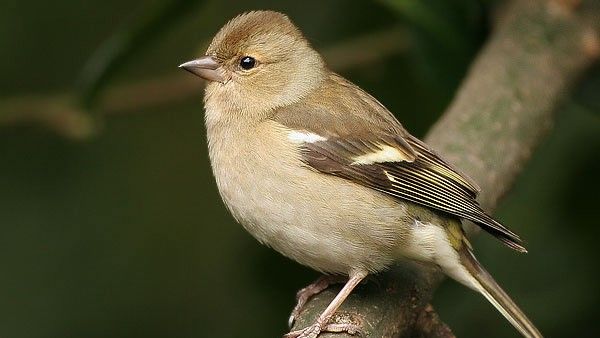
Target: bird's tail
{"type": "Point", "coordinates": [483, 282]}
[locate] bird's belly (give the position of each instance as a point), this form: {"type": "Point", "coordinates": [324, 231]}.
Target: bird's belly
{"type": "Point", "coordinates": [321, 221]}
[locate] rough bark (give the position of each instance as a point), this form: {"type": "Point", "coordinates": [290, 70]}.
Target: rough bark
{"type": "Point", "coordinates": [501, 112]}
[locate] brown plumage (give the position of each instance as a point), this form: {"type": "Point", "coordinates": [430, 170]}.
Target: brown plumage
{"type": "Point", "coordinates": [319, 170]}
{"type": "Point", "coordinates": [421, 176]}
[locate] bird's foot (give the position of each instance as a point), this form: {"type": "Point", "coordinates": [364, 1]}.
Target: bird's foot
{"type": "Point", "coordinates": [307, 332]}
{"type": "Point", "coordinates": [314, 330]}
{"type": "Point", "coordinates": [315, 288]}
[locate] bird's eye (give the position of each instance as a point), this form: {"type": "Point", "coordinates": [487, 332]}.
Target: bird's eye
{"type": "Point", "coordinates": [247, 62]}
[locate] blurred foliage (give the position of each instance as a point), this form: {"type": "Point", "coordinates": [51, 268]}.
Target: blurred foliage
{"type": "Point", "coordinates": [446, 34]}
{"type": "Point", "coordinates": [124, 235]}
{"type": "Point", "coordinates": [152, 20]}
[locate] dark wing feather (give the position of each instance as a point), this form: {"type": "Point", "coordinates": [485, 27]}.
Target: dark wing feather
{"type": "Point", "coordinates": [428, 181]}
{"type": "Point", "coordinates": [359, 125]}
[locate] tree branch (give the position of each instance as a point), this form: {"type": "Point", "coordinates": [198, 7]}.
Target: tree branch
{"type": "Point", "coordinates": [501, 112]}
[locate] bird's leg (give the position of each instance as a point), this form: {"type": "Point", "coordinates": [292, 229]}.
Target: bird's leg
{"type": "Point", "coordinates": [311, 290]}
{"type": "Point", "coordinates": [321, 322]}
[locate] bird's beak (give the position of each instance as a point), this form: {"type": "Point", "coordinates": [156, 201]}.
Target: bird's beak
{"type": "Point", "coordinates": [206, 67]}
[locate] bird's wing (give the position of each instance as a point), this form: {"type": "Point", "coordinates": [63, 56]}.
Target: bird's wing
{"type": "Point", "coordinates": [383, 156]}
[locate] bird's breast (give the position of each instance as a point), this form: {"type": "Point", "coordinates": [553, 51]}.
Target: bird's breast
{"type": "Point", "coordinates": [322, 221]}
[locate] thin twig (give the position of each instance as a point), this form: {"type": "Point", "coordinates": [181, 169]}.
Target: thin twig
{"type": "Point", "coordinates": [59, 112]}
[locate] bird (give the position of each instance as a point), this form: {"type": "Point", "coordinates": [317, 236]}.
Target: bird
{"type": "Point", "coordinates": [319, 170]}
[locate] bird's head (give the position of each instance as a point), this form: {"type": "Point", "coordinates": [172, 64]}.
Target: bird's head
{"type": "Point", "coordinates": [259, 61]}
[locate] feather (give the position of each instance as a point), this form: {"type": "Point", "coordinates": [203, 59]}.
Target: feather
{"type": "Point", "coordinates": [360, 140]}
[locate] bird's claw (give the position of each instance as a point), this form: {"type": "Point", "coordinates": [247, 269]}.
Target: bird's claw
{"type": "Point", "coordinates": [307, 332]}
{"type": "Point", "coordinates": [304, 294]}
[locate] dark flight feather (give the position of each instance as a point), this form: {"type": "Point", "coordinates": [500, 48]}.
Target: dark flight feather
{"type": "Point", "coordinates": [417, 174]}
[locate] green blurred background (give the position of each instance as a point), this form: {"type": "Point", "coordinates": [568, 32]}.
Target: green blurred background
{"type": "Point", "coordinates": [116, 229]}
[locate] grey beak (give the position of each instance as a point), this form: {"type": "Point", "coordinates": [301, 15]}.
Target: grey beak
{"type": "Point", "coordinates": [205, 67]}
